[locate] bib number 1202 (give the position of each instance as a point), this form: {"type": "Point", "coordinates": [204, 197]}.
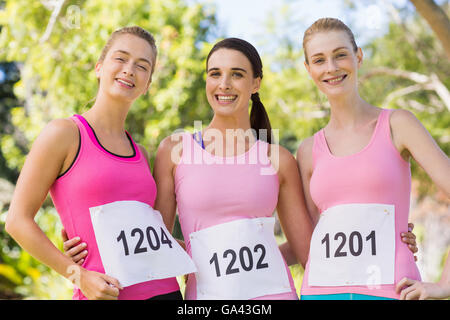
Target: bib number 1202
{"type": "Point", "coordinates": [154, 240]}
{"type": "Point", "coordinates": [355, 243]}
{"type": "Point", "coordinates": [245, 259]}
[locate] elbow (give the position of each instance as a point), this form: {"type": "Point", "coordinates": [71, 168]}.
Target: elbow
{"type": "Point", "coordinates": [10, 224]}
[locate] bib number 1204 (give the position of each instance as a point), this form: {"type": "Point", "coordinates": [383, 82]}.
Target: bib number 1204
{"type": "Point", "coordinates": [154, 240]}
{"type": "Point", "coordinates": [355, 243]}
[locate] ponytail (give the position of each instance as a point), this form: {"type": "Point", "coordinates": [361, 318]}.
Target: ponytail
{"type": "Point", "coordinates": [260, 120]}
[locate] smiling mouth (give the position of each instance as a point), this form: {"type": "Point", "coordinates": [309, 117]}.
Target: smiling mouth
{"type": "Point", "coordinates": [335, 80]}
{"type": "Point", "coordinates": [225, 99]}
{"type": "Point", "coordinates": [125, 83]}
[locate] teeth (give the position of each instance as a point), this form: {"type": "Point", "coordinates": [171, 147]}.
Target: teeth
{"type": "Point", "coordinates": [125, 83]}
{"type": "Point", "coordinates": [336, 80]}
{"type": "Point", "coordinates": [226, 98]}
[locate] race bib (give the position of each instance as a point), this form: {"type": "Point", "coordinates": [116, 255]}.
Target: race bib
{"type": "Point", "coordinates": [353, 244]}
{"type": "Point", "coordinates": [135, 245]}
{"type": "Point", "coordinates": [238, 260]}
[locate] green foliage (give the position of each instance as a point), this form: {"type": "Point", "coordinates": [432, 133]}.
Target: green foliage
{"type": "Point", "coordinates": [57, 80]}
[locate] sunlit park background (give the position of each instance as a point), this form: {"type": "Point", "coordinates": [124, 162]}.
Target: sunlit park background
{"type": "Point", "coordinates": [48, 49]}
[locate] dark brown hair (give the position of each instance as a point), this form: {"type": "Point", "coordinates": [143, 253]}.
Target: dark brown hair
{"type": "Point", "coordinates": [258, 115]}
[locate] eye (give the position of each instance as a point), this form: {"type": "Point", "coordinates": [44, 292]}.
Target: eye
{"type": "Point", "coordinates": [214, 74]}
{"type": "Point", "coordinates": [120, 59]}
{"type": "Point", "coordinates": [142, 67]}
{"type": "Point", "coordinates": [341, 55]}
{"type": "Point", "coordinates": [318, 61]}
{"type": "Point", "coordinates": [237, 75]}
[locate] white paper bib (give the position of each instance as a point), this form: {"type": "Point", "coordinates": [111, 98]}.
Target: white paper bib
{"type": "Point", "coordinates": [135, 245]}
{"type": "Point", "coordinates": [353, 244]}
{"type": "Point", "coordinates": [238, 260]}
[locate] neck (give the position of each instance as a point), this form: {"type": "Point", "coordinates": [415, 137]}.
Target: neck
{"type": "Point", "coordinates": [224, 123]}
{"type": "Point", "coordinates": [347, 110]}
{"type": "Point", "coordinates": [232, 131]}
{"type": "Point", "coordinates": [108, 114]}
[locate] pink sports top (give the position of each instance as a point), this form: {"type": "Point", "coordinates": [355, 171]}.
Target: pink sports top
{"type": "Point", "coordinates": [98, 177]}
{"type": "Point", "coordinates": [212, 190]}
{"type": "Point", "coordinates": [376, 174]}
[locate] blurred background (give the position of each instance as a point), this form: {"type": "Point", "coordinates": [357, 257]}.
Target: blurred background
{"type": "Point", "coordinates": [48, 50]}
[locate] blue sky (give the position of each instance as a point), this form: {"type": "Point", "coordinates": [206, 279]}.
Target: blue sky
{"type": "Point", "coordinates": [248, 19]}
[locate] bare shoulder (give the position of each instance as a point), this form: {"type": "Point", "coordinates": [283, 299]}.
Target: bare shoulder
{"type": "Point", "coordinates": [283, 161]}
{"type": "Point", "coordinates": [401, 118]}
{"type": "Point", "coordinates": [304, 150]}
{"type": "Point", "coordinates": [170, 149]}
{"type": "Point", "coordinates": [170, 142]}
{"type": "Point", "coordinates": [60, 133]}
{"type": "Point", "coordinates": [405, 129]}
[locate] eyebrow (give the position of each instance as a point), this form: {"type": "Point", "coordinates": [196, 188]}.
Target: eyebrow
{"type": "Point", "coordinates": [318, 54]}
{"type": "Point", "coordinates": [127, 53]}
{"type": "Point", "coordinates": [236, 69]}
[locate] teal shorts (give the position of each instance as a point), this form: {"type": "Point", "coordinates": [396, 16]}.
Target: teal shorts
{"type": "Point", "coordinates": [342, 296]}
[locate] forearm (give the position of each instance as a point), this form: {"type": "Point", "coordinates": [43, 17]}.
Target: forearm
{"type": "Point", "coordinates": [32, 239]}
{"type": "Point", "coordinates": [287, 254]}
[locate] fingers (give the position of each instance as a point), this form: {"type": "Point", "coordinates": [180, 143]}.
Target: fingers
{"type": "Point", "coordinates": [113, 281]}
{"type": "Point", "coordinates": [410, 289]}
{"type": "Point", "coordinates": [75, 252]}
{"type": "Point", "coordinates": [64, 235]}
{"type": "Point", "coordinates": [403, 283]}
{"type": "Point", "coordinates": [410, 227]}
{"type": "Point", "coordinates": [410, 239]}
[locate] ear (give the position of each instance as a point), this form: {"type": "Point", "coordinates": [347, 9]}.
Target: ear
{"type": "Point", "coordinates": [359, 56]}
{"type": "Point", "coordinates": [256, 84]}
{"type": "Point", "coordinates": [98, 68]}
{"type": "Point", "coordinates": [307, 67]}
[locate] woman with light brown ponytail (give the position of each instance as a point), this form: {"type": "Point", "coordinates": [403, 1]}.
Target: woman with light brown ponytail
{"type": "Point", "coordinates": [102, 187]}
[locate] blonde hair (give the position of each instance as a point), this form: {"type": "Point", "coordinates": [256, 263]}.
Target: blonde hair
{"type": "Point", "coordinates": [137, 31]}
{"type": "Point", "coordinates": [326, 25]}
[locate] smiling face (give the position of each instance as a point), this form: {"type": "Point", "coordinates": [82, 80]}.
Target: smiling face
{"type": "Point", "coordinates": [230, 82]}
{"type": "Point", "coordinates": [332, 62]}
{"type": "Point", "coordinates": [125, 71]}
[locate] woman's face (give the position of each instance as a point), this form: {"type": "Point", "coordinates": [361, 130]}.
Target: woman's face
{"type": "Point", "coordinates": [126, 69]}
{"type": "Point", "coordinates": [333, 64]}
{"type": "Point", "coordinates": [230, 82]}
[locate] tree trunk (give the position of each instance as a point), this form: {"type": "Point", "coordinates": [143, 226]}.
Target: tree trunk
{"type": "Point", "coordinates": [437, 19]}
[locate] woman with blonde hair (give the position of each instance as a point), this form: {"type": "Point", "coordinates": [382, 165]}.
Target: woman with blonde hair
{"type": "Point", "coordinates": [356, 177]}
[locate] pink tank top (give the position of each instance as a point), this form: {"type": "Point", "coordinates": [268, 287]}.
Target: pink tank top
{"type": "Point", "coordinates": [376, 174]}
{"type": "Point", "coordinates": [212, 190]}
{"type": "Point", "coordinates": [98, 177]}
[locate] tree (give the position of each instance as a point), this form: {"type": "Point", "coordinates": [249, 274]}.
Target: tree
{"type": "Point", "coordinates": [437, 19]}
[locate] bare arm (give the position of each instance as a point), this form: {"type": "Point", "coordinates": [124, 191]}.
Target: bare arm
{"type": "Point", "coordinates": [417, 290]}
{"type": "Point", "coordinates": [292, 211]}
{"type": "Point", "coordinates": [163, 172]}
{"type": "Point", "coordinates": [47, 158]}
{"type": "Point", "coordinates": [411, 138]}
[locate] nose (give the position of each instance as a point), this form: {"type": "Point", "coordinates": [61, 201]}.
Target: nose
{"type": "Point", "coordinates": [225, 83]}
{"type": "Point", "coordinates": [332, 66]}
{"type": "Point", "coordinates": [128, 69]}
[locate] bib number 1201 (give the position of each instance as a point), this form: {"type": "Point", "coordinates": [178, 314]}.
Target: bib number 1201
{"type": "Point", "coordinates": [154, 240]}
{"type": "Point", "coordinates": [355, 243]}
